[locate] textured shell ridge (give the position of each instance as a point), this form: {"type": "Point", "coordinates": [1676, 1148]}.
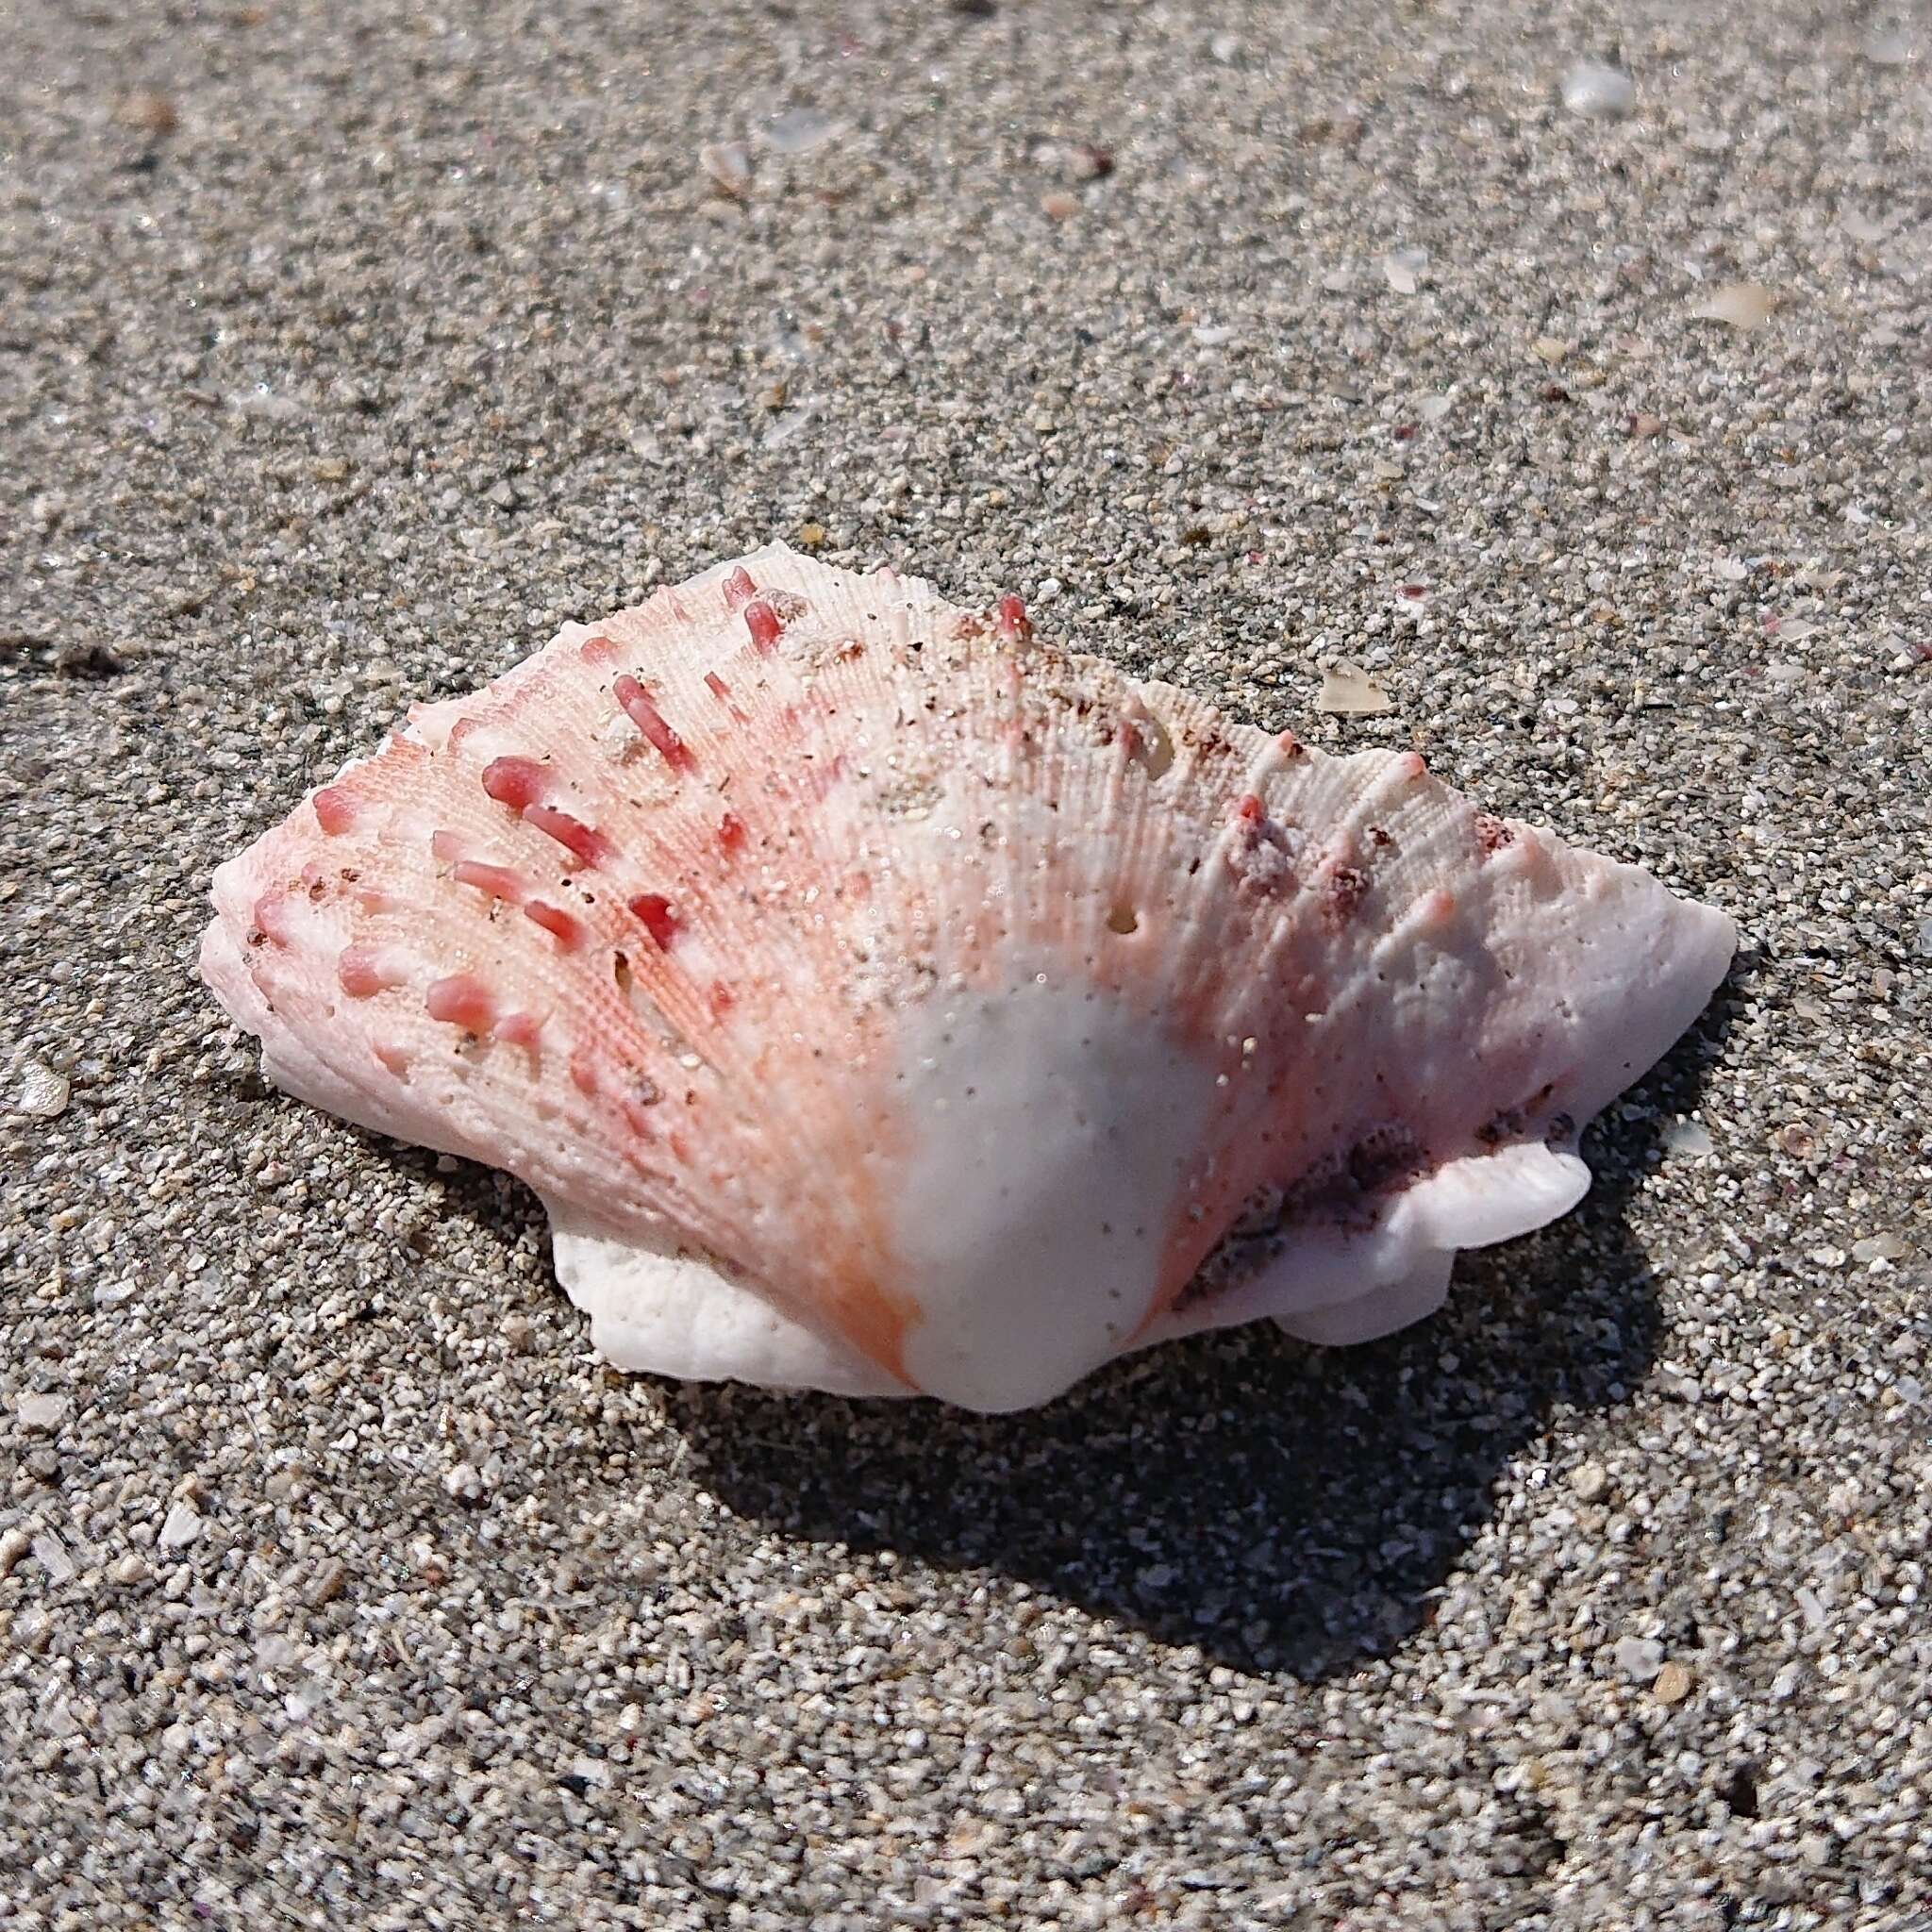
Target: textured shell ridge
{"type": "Point", "coordinates": [882, 997]}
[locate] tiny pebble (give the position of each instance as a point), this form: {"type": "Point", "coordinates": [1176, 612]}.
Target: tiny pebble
{"type": "Point", "coordinates": [1673, 1684]}
{"type": "Point", "coordinates": [43, 1413]}
{"type": "Point", "coordinates": [1879, 1247]}
{"type": "Point", "coordinates": [42, 1093]}
{"type": "Point", "coordinates": [1689, 1137]}
{"type": "Point", "coordinates": [1404, 269]}
{"type": "Point", "coordinates": [275, 1651]}
{"type": "Point", "coordinates": [1597, 91]}
{"type": "Point", "coordinates": [1348, 692]}
{"type": "Point", "coordinates": [798, 131]}
{"type": "Point", "coordinates": [1589, 1480]}
{"type": "Point", "coordinates": [1742, 305]}
{"type": "Point", "coordinates": [147, 110]}
{"type": "Point", "coordinates": [328, 1582]}
{"type": "Point", "coordinates": [728, 165]}
{"type": "Point", "coordinates": [180, 1528]}
{"type": "Point", "coordinates": [464, 1483]}
{"type": "Point", "coordinates": [1638, 1657]}
{"type": "Point", "coordinates": [53, 1558]}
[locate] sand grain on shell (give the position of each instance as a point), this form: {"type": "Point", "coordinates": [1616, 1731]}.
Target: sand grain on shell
{"type": "Point", "coordinates": [349, 351]}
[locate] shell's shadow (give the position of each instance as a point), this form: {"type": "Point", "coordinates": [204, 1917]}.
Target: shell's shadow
{"type": "Point", "coordinates": [1286, 1508]}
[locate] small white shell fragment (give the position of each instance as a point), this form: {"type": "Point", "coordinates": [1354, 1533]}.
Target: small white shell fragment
{"type": "Point", "coordinates": [180, 1528]}
{"type": "Point", "coordinates": [1404, 268]}
{"type": "Point", "coordinates": [728, 164]}
{"type": "Point", "coordinates": [42, 1414]}
{"type": "Point", "coordinates": [923, 1007]}
{"type": "Point", "coordinates": [1689, 1137]}
{"type": "Point", "coordinates": [1598, 90]}
{"type": "Point", "coordinates": [798, 130]}
{"type": "Point", "coordinates": [1879, 1247]}
{"type": "Point", "coordinates": [54, 1557]}
{"type": "Point", "coordinates": [1589, 1480]}
{"type": "Point", "coordinates": [1349, 691]}
{"type": "Point", "coordinates": [1638, 1657]}
{"type": "Point", "coordinates": [42, 1093]}
{"type": "Point", "coordinates": [1741, 305]}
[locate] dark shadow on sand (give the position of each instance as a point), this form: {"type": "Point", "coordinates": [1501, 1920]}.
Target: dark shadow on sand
{"type": "Point", "coordinates": [1286, 1508]}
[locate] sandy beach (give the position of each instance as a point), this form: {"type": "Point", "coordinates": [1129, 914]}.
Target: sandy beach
{"type": "Point", "coordinates": [1565, 369]}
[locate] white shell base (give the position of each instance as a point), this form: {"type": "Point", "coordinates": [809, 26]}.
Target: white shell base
{"type": "Point", "coordinates": [657, 1310]}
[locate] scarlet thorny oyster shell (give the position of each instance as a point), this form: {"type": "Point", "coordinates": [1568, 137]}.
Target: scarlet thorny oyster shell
{"type": "Point", "coordinates": [882, 999]}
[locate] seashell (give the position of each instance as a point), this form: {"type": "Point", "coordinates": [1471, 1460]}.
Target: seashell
{"type": "Point", "coordinates": [882, 999]}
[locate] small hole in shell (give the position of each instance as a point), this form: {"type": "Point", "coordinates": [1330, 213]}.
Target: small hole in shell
{"type": "Point", "coordinates": [1123, 918]}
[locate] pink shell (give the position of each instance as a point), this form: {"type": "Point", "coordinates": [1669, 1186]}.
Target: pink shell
{"type": "Point", "coordinates": [882, 999]}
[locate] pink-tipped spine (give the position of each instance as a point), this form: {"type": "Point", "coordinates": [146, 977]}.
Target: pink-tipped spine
{"type": "Point", "coordinates": [585, 843]}
{"type": "Point", "coordinates": [762, 623]}
{"type": "Point", "coordinates": [556, 921]}
{"type": "Point", "coordinates": [362, 973]}
{"type": "Point", "coordinates": [642, 713]}
{"type": "Point", "coordinates": [498, 881]}
{"type": "Point", "coordinates": [517, 783]}
{"type": "Point", "coordinates": [462, 1000]}
{"type": "Point", "coordinates": [334, 811]}
{"type": "Point", "coordinates": [655, 912]}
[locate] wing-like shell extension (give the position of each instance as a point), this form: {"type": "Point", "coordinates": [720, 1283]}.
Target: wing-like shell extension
{"type": "Point", "coordinates": [882, 999]}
